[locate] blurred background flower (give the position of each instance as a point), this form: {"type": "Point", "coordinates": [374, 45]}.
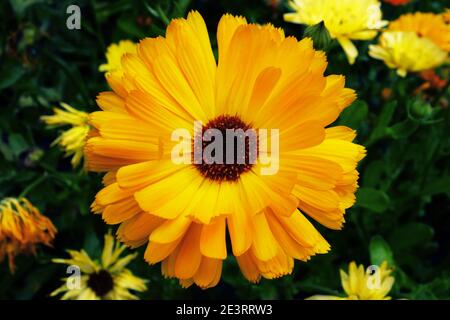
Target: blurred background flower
{"type": "Point", "coordinates": [114, 54]}
{"type": "Point", "coordinates": [72, 141]}
{"type": "Point", "coordinates": [361, 284]}
{"type": "Point", "coordinates": [414, 43]}
{"type": "Point", "coordinates": [346, 20]}
{"type": "Point", "coordinates": [107, 279]}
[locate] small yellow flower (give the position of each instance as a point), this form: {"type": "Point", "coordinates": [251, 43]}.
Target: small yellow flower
{"type": "Point", "coordinates": [72, 140]}
{"type": "Point", "coordinates": [407, 52]}
{"type": "Point", "coordinates": [361, 284]}
{"type": "Point", "coordinates": [346, 20]}
{"type": "Point", "coordinates": [114, 55]}
{"type": "Point", "coordinates": [107, 279]}
{"type": "Point", "coordinates": [22, 227]}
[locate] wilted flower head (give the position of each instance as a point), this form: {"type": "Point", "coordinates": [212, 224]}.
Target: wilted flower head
{"type": "Point", "coordinates": [346, 20]}
{"type": "Point", "coordinates": [414, 43]}
{"type": "Point", "coordinates": [107, 279]}
{"type": "Point", "coordinates": [361, 284]}
{"type": "Point", "coordinates": [72, 141]}
{"type": "Point", "coordinates": [22, 227]}
{"type": "Point", "coordinates": [114, 55]}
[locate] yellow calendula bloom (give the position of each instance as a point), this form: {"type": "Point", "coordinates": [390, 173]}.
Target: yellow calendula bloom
{"type": "Point", "coordinates": [22, 227]}
{"type": "Point", "coordinates": [114, 55]}
{"type": "Point", "coordinates": [407, 52]}
{"type": "Point", "coordinates": [183, 209]}
{"type": "Point", "coordinates": [107, 279]}
{"type": "Point", "coordinates": [361, 284]}
{"type": "Point", "coordinates": [346, 20]}
{"type": "Point", "coordinates": [72, 141]}
{"type": "Point", "coordinates": [425, 25]}
{"type": "Point", "coordinates": [414, 43]}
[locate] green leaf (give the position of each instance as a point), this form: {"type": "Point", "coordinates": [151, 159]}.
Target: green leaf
{"type": "Point", "coordinates": [128, 25]}
{"type": "Point", "coordinates": [437, 186]}
{"type": "Point", "coordinates": [372, 199]}
{"type": "Point", "coordinates": [411, 235]}
{"type": "Point", "coordinates": [383, 121]}
{"type": "Point", "coordinates": [5, 150]}
{"type": "Point", "coordinates": [19, 6]}
{"type": "Point", "coordinates": [354, 115]}
{"type": "Point", "coordinates": [92, 243]}
{"type": "Point", "coordinates": [437, 289]}
{"type": "Point", "coordinates": [17, 144]}
{"type": "Point", "coordinates": [402, 129]}
{"type": "Point", "coordinates": [10, 75]}
{"type": "Point", "coordinates": [373, 173]}
{"type": "Point", "coordinates": [380, 251]}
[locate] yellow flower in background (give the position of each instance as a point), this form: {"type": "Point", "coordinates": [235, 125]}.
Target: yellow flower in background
{"type": "Point", "coordinates": [107, 279]}
{"type": "Point", "coordinates": [425, 25]}
{"type": "Point", "coordinates": [346, 20]}
{"type": "Point", "coordinates": [114, 55]}
{"type": "Point", "coordinates": [182, 211]}
{"type": "Point", "coordinates": [414, 43]}
{"type": "Point", "coordinates": [361, 284]}
{"type": "Point", "coordinates": [407, 52]}
{"type": "Point", "coordinates": [72, 141]}
{"type": "Point", "coordinates": [22, 227]}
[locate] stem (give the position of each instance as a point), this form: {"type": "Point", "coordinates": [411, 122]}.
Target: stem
{"type": "Point", "coordinates": [33, 185]}
{"type": "Point", "coordinates": [319, 289]}
{"type": "Point", "coordinates": [162, 15]}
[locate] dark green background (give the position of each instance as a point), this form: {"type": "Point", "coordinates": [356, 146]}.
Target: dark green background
{"type": "Point", "coordinates": [403, 208]}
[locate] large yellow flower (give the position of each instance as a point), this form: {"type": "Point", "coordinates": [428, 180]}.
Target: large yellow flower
{"type": "Point", "coordinates": [72, 141]}
{"type": "Point", "coordinates": [263, 80]}
{"type": "Point", "coordinates": [22, 227]}
{"type": "Point", "coordinates": [108, 279]}
{"type": "Point", "coordinates": [359, 284]}
{"type": "Point", "coordinates": [346, 20]}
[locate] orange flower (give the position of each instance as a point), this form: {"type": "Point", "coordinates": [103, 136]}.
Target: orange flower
{"type": "Point", "coordinates": [425, 25]}
{"type": "Point", "coordinates": [432, 81]}
{"type": "Point", "coordinates": [182, 211]}
{"type": "Point", "coordinates": [386, 93]}
{"type": "Point", "coordinates": [397, 2]}
{"type": "Point", "coordinates": [22, 227]}
{"type": "Point", "coordinates": [413, 43]}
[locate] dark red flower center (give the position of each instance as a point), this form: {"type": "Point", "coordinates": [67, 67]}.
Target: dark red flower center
{"type": "Point", "coordinates": [225, 158]}
{"type": "Point", "coordinates": [100, 282]}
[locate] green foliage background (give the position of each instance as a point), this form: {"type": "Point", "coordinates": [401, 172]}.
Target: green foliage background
{"type": "Point", "coordinates": [403, 208]}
